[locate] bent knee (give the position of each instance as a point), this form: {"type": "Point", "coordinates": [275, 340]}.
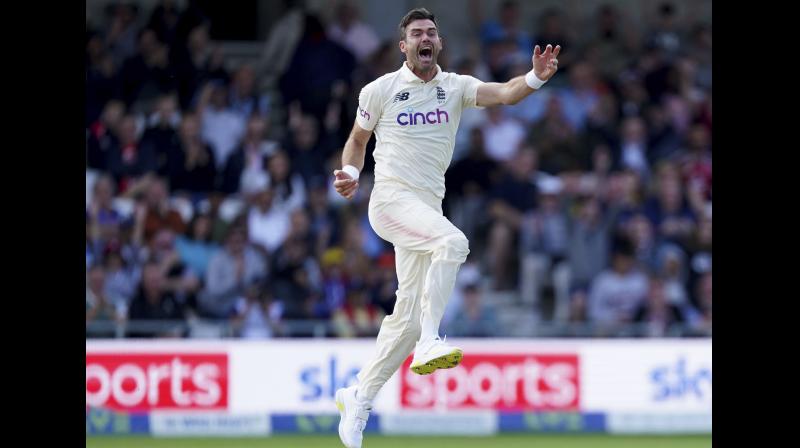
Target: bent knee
{"type": "Point", "coordinates": [455, 248]}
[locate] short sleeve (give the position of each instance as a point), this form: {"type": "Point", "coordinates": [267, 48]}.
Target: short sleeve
{"type": "Point", "coordinates": [370, 107]}
{"type": "Point", "coordinates": [470, 86]}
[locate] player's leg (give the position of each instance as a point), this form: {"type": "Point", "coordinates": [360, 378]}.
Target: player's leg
{"type": "Point", "coordinates": [400, 330]}
{"type": "Point", "coordinates": [414, 221]}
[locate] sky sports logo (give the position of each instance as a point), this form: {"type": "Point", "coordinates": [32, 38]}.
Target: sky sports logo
{"type": "Point", "coordinates": [145, 381]}
{"type": "Point", "coordinates": [508, 382]}
{"type": "Point", "coordinates": [410, 118]}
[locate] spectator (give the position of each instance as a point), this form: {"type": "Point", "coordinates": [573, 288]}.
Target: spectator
{"type": "Point", "coordinates": [507, 27]}
{"type": "Point", "coordinates": [510, 199]}
{"type": "Point", "coordinates": [222, 127]}
{"type": "Point", "coordinates": [633, 147]}
{"type": "Point", "coordinates": [238, 264]}
{"type": "Point", "coordinates": [251, 156]}
{"type": "Point", "coordinates": [121, 34]}
{"type": "Point", "coordinates": [668, 210]}
{"type": "Point", "coordinates": [155, 302]}
{"type": "Point", "coordinates": [147, 74]}
{"type": "Point", "coordinates": [257, 314]}
{"type": "Point", "coordinates": [128, 159]}
{"type": "Point", "coordinates": [616, 293]}
{"type": "Point", "coordinates": [358, 317]}
{"type": "Point", "coordinates": [657, 315]}
{"type": "Point", "coordinates": [191, 166]}
{"type": "Point", "coordinates": [502, 135]}
{"type": "Point", "coordinates": [581, 96]}
{"type": "Point", "coordinates": [100, 306]}
{"type": "Point", "coordinates": [161, 136]}
{"type": "Point", "coordinates": [105, 221]}
{"type": "Point", "coordinates": [268, 222]}
{"type": "Point", "coordinates": [475, 318]}
{"type": "Point", "coordinates": [288, 186]}
{"type": "Point", "coordinates": [245, 99]}
{"type": "Point", "coordinates": [122, 275]}
{"type": "Point", "coordinates": [155, 213]}
{"type": "Point", "coordinates": [196, 248]}
{"type": "Point", "coordinates": [544, 242]}
{"type": "Point", "coordinates": [317, 64]}
{"type": "Point", "coordinates": [348, 31]}
{"type": "Point", "coordinates": [296, 275]}
{"type": "Point", "coordinates": [307, 148]}
{"type": "Point", "coordinates": [102, 135]}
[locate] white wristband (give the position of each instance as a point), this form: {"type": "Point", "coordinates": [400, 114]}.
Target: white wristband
{"type": "Point", "coordinates": [351, 170]}
{"type": "Point", "coordinates": [533, 81]}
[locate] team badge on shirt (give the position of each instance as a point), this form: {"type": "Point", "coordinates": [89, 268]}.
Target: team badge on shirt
{"type": "Point", "coordinates": [440, 95]}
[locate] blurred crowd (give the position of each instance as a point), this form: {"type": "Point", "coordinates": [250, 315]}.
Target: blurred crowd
{"type": "Point", "coordinates": [209, 183]}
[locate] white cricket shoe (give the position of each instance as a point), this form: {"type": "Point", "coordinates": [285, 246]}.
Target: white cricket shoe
{"type": "Point", "coordinates": [435, 354]}
{"type": "Point", "coordinates": [353, 417]}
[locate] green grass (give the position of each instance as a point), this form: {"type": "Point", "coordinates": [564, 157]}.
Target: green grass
{"type": "Point", "coordinates": [377, 441]}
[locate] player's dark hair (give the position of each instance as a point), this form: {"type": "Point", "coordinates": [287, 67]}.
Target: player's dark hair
{"type": "Point", "coordinates": [415, 14]}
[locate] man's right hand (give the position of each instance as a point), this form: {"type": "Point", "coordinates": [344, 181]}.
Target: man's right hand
{"type": "Point", "coordinates": [344, 184]}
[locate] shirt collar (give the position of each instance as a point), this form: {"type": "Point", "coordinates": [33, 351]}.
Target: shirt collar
{"type": "Point", "coordinates": [409, 76]}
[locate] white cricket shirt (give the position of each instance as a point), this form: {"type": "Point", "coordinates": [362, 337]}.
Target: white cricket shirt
{"type": "Point", "coordinates": [415, 124]}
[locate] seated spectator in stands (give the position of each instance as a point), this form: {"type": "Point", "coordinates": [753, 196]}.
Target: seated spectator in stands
{"type": "Point", "coordinates": [358, 317]}
{"type": "Point", "coordinates": [475, 318]}
{"type": "Point", "coordinates": [502, 135]}
{"type": "Point", "coordinates": [122, 30]}
{"type": "Point", "coordinates": [288, 186]}
{"type": "Point", "coordinates": [221, 126]}
{"type": "Point", "coordinates": [155, 213]}
{"type": "Point", "coordinates": [104, 220]}
{"type": "Point", "coordinates": [251, 156]}
{"type": "Point", "coordinates": [161, 133]}
{"type": "Point", "coordinates": [147, 74]}
{"type": "Point", "coordinates": [229, 271]}
{"type": "Point", "coordinates": [100, 306]}
{"type": "Point", "coordinates": [581, 96]}
{"type": "Point", "coordinates": [657, 315]}
{"type": "Point", "coordinates": [155, 302]}
{"type": "Point", "coordinates": [164, 20]}
{"type": "Point", "coordinates": [102, 135]}
{"type": "Point", "coordinates": [633, 150]}
{"type": "Point", "coordinates": [510, 199]}
{"type": "Point", "coordinates": [245, 99]}
{"type": "Point", "coordinates": [324, 221]}
{"type": "Point", "coordinates": [268, 222]}
{"type": "Point", "coordinates": [296, 277]}
{"type": "Point", "coordinates": [122, 276]}
{"type": "Point", "coordinates": [196, 247]}
{"type": "Point", "coordinates": [668, 209]}
{"type": "Point", "coordinates": [128, 160]}
{"type": "Point", "coordinates": [257, 314]}
{"type": "Point", "coordinates": [700, 317]}
{"type": "Point", "coordinates": [195, 62]}
{"type": "Point", "coordinates": [556, 140]}
{"type": "Point", "coordinates": [191, 167]}
{"type": "Point", "coordinates": [308, 148]}
{"type": "Point", "coordinates": [616, 293]}
{"type": "Point", "coordinates": [179, 279]}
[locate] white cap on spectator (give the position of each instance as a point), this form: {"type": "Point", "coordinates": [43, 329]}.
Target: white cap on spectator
{"type": "Point", "coordinates": [550, 185]}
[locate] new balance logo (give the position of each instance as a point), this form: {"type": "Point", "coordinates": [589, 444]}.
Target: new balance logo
{"type": "Point", "coordinates": [400, 97]}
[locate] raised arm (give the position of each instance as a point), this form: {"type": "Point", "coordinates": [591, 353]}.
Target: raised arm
{"type": "Point", "coordinates": [545, 66]}
{"type": "Point", "coordinates": [355, 149]}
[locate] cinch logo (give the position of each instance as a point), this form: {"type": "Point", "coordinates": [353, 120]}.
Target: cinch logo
{"type": "Point", "coordinates": [432, 117]}
{"type": "Point", "coordinates": [363, 113]}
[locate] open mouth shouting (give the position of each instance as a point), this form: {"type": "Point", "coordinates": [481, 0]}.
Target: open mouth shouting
{"type": "Point", "coordinates": [426, 53]}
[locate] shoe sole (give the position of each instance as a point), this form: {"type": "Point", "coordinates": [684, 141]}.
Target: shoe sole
{"type": "Point", "coordinates": [447, 361]}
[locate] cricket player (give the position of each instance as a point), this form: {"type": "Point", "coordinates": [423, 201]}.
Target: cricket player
{"type": "Point", "coordinates": [414, 113]}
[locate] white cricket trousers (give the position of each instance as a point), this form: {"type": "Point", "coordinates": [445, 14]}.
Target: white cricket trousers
{"type": "Point", "coordinates": [429, 249]}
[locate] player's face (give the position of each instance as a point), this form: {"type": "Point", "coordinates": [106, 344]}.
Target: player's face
{"type": "Point", "coordinates": [421, 45]}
